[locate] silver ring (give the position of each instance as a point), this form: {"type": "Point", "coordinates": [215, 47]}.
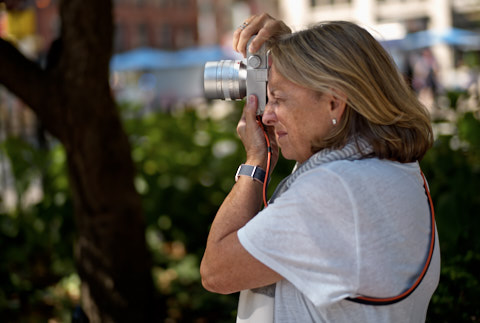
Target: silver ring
{"type": "Point", "coordinates": [243, 26]}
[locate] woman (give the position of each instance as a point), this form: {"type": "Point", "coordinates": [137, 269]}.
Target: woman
{"type": "Point", "coordinates": [352, 224]}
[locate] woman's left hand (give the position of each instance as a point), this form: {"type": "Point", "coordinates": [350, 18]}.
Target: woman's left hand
{"type": "Point", "coordinates": [264, 26]}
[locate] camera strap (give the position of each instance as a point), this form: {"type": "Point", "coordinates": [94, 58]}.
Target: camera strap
{"type": "Point", "coordinates": [352, 151]}
{"type": "Point", "coordinates": [367, 300]}
{"type": "Point", "coordinates": [269, 160]}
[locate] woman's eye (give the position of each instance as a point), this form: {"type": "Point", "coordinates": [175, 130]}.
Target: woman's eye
{"type": "Point", "coordinates": [278, 100]}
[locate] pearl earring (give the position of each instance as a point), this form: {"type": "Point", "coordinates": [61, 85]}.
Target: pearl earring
{"type": "Point", "coordinates": [334, 121]}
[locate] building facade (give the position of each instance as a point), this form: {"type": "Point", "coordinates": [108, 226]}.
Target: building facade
{"type": "Point", "coordinates": [177, 24]}
{"type": "Point", "coordinates": [165, 24]}
{"type": "Point", "coordinates": [391, 19]}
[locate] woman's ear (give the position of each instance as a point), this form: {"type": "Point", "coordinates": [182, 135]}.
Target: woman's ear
{"type": "Point", "coordinates": [338, 103]}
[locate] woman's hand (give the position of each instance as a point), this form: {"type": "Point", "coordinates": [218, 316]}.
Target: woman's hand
{"type": "Point", "coordinates": [253, 138]}
{"type": "Point", "coordinates": [264, 26]}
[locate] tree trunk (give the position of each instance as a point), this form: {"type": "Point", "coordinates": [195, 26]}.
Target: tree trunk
{"type": "Point", "coordinates": [72, 98]}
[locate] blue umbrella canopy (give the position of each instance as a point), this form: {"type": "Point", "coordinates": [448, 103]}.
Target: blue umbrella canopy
{"type": "Point", "coordinates": [461, 37]}
{"type": "Point", "coordinates": [147, 58]}
{"type": "Point", "coordinates": [427, 38]}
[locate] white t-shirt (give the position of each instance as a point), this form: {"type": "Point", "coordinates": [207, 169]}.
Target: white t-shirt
{"type": "Point", "coordinates": [344, 229]}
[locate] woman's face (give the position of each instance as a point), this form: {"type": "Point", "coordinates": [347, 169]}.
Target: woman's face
{"type": "Point", "coordinates": [299, 115]}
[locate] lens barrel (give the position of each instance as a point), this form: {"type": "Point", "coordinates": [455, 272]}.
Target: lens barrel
{"type": "Point", "coordinates": [225, 79]}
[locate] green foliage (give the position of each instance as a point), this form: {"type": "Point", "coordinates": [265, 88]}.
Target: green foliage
{"type": "Point", "coordinates": [182, 163]}
{"type": "Point", "coordinates": [452, 167]}
{"type": "Point", "coordinates": [186, 163]}
{"type": "Point", "coordinates": [36, 239]}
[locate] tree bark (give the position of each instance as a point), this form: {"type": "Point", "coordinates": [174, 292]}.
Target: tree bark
{"type": "Point", "coordinates": [72, 98]}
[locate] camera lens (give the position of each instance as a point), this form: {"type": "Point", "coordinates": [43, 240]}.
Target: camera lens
{"type": "Point", "coordinates": [225, 79]}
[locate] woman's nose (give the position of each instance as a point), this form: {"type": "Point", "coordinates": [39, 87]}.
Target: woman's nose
{"type": "Point", "coordinates": [269, 117]}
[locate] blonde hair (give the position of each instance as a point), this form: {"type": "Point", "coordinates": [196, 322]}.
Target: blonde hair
{"type": "Point", "coordinates": [380, 107]}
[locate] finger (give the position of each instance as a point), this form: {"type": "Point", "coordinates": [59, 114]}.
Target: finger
{"type": "Point", "coordinates": [256, 26]}
{"type": "Point", "coordinates": [263, 26]}
{"type": "Point", "coordinates": [244, 31]}
{"type": "Point", "coordinates": [247, 124]}
{"type": "Point", "coordinates": [241, 123]}
{"type": "Point", "coordinates": [251, 109]}
{"type": "Point", "coordinates": [236, 37]}
{"type": "Point", "coordinates": [268, 31]}
{"type": "Point", "coordinates": [266, 27]}
{"type": "Point", "coordinates": [271, 28]}
{"type": "Point", "coordinates": [245, 34]}
{"type": "Point", "coordinates": [258, 41]}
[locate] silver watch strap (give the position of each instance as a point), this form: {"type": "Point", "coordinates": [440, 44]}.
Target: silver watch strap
{"type": "Point", "coordinates": [254, 172]}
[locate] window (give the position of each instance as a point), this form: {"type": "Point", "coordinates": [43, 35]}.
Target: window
{"type": "Point", "coordinates": [142, 35]}
{"type": "Point", "coordinates": [164, 36]}
{"type": "Point", "coordinates": [185, 37]}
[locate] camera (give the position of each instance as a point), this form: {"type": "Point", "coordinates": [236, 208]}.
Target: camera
{"type": "Point", "coordinates": [236, 79]}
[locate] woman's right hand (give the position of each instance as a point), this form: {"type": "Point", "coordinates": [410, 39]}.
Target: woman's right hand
{"type": "Point", "coordinates": [253, 138]}
{"type": "Point", "coordinates": [264, 26]}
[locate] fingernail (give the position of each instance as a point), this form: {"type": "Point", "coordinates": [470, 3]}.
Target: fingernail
{"type": "Point", "coordinates": [251, 99]}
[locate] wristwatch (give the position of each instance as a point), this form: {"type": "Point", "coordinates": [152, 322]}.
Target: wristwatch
{"type": "Point", "coordinates": [254, 172]}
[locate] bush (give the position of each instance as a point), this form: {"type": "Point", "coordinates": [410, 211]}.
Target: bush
{"type": "Point", "coordinates": [452, 167]}
{"type": "Point", "coordinates": [37, 275]}
{"type": "Point", "coordinates": [186, 160]}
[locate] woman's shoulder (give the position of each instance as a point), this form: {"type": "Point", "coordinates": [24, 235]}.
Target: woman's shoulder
{"type": "Point", "coordinates": [368, 170]}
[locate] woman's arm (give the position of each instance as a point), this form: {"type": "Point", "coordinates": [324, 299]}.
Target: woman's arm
{"type": "Point", "coordinates": [226, 266]}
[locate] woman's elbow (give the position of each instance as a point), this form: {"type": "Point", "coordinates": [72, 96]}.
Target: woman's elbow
{"type": "Point", "coordinates": [212, 286]}
{"type": "Point", "coordinates": [212, 281]}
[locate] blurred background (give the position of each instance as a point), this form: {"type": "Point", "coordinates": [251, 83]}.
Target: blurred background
{"type": "Point", "coordinates": [186, 151]}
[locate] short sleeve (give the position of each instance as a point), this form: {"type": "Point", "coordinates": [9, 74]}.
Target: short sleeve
{"type": "Point", "coordinates": [308, 235]}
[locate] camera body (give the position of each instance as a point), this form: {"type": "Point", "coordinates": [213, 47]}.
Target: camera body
{"type": "Point", "coordinates": [237, 79]}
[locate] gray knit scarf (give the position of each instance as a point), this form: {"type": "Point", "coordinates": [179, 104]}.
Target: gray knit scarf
{"type": "Point", "coordinates": [354, 149]}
